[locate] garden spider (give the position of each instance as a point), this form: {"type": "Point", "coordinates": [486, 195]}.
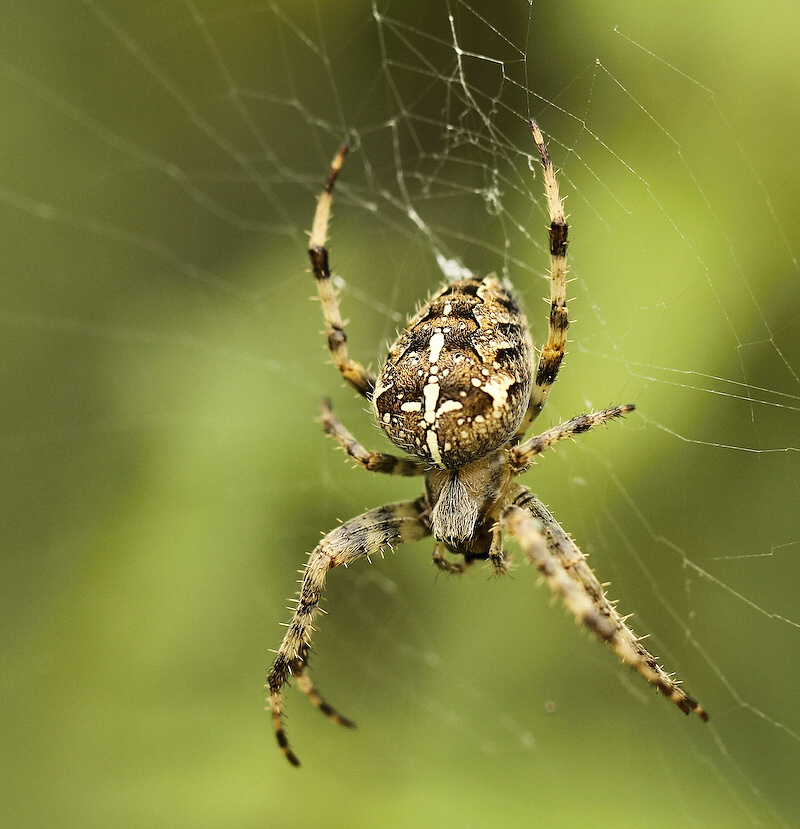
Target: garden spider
{"type": "Point", "coordinates": [458, 391]}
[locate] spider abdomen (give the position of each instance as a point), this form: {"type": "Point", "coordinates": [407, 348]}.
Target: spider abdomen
{"type": "Point", "coordinates": [457, 382]}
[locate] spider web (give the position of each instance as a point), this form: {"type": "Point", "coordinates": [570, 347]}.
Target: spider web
{"type": "Point", "coordinates": [165, 473]}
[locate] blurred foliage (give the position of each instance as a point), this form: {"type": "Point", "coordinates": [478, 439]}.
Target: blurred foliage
{"type": "Point", "coordinates": [164, 473]}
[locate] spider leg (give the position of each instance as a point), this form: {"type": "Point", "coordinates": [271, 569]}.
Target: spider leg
{"type": "Point", "coordinates": [362, 380]}
{"type": "Point", "coordinates": [306, 684]}
{"type": "Point", "coordinates": [521, 457]}
{"type": "Point", "coordinates": [566, 571]}
{"type": "Point", "coordinates": [445, 565]}
{"type": "Point", "coordinates": [371, 461]}
{"type": "Point", "coordinates": [363, 536]}
{"type": "Point", "coordinates": [498, 557]}
{"type": "Point", "coordinates": [553, 352]}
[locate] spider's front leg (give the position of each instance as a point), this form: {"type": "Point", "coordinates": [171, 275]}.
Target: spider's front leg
{"type": "Point", "coordinates": [552, 354]}
{"type": "Point", "coordinates": [360, 537]}
{"type": "Point", "coordinates": [362, 380]}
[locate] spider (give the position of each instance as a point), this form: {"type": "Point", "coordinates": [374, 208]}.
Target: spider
{"type": "Point", "coordinates": [457, 393]}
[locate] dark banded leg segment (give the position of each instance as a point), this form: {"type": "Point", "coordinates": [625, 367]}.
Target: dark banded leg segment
{"type": "Point", "coordinates": [553, 352]}
{"type": "Point", "coordinates": [569, 575]}
{"type": "Point", "coordinates": [371, 461]}
{"type": "Point", "coordinates": [361, 537]}
{"type": "Point", "coordinates": [354, 373]}
{"type": "Point", "coordinates": [521, 457]}
{"type": "Point", "coordinates": [305, 683]}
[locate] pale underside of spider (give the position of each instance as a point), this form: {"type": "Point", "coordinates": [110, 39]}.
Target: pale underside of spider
{"type": "Point", "coordinates": [459, 389]}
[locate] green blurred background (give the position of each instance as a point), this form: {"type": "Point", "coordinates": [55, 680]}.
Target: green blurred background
{"type": "Point", "coordinates": [162, 369]}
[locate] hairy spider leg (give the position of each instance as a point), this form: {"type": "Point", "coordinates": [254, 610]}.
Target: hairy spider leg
{"type": "Point", "coordinates": [552, 354]}
{"type": "Point", "coordinates": [521, 456]}
{"type": "Point", "coordinates": [569, 575]}
{"type": "Point", "coordinates": [371, 461]}
{"type": "Point", "coordinates": [361, 537]}
{"type": "Point", "coordinates": [362, 380]}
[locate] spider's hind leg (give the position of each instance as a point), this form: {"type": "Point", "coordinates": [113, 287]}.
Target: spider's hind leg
{"type": "Point", "coordinates": [569, 576]}
{"type": "Point", "coordinates": [360, 537]}
{"type": "Point", "coordinates": [306, 684]}
{"type": "Point", "coordinates": [278, 675]}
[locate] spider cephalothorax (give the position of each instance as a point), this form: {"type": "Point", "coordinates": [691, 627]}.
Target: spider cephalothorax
{"type": "Point", "coordinates": [458, 391]}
